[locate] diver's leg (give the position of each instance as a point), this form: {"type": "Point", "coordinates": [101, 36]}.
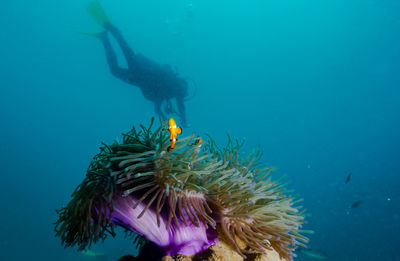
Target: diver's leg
{"type": "Point", "coordinates": [126, 49]}
{"type": "Point", "coordinates": [180, 101]}
{"type": "Point", "coordinates": [112, 61]}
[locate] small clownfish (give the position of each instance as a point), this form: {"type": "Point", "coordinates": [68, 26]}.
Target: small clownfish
{"type": "Point", "coordinates": [174, 130]}
{"type": "Point", "coordinates": [198, 142]}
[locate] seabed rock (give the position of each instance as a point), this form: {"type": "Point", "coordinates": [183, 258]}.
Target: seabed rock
{"type": "Point", "coordinates": [223, 251]}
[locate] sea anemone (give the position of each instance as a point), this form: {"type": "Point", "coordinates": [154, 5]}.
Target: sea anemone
{"type": "Point", "coordinates": [179, 199]}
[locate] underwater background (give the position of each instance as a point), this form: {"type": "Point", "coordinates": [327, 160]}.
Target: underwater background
{"type": "Point", "coordinates": [314, 84]}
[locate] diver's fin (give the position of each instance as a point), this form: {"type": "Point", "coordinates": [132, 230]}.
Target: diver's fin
{"type": "Point", "coordinates": [97, 12]}
{"type": "Point", "coordinates": [94, 34]}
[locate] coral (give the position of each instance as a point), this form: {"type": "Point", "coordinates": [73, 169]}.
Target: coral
{"type": "Point", "coordinates": [176, 199]}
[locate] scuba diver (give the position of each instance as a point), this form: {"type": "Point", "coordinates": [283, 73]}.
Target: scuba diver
{"type": "Point", "coordinates": [158, 83]}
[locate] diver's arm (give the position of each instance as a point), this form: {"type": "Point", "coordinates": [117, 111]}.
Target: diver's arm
{"type": "Point", "coordinates": [180, 101]}
{"type": "Point", "coordinates": [158, 110]}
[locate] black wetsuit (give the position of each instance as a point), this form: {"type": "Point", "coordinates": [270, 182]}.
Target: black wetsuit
{"type": "Point", "coordinates": [159, 83]}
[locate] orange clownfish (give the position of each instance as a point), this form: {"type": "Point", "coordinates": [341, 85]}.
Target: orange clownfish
{"type": "Point", "coordinates": [174, 130]}
{"type": "Point", "coordinates": [198, 142]}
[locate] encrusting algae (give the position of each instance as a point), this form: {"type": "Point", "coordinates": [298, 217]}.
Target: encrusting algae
{"type": "Point", "coordinates": [178, 198]}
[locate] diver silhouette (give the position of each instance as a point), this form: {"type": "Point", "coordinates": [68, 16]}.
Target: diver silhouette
{"type": "Point", "coordinates": [158, 83]}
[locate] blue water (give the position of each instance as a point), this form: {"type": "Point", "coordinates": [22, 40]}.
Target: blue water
{"type": "Point", "coordinates": [314, 84]}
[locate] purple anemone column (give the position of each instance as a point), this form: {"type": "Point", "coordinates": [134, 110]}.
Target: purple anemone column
{"type": "Point", "coordinates": [179, 239]}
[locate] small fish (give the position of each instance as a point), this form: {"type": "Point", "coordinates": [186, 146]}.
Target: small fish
{"type": "Point", "coordinates": [174, 131]}
{"type": "Point", "coordinates": [314, 253]}
{"type": "Point", "coordinates": [311, 168]}
{"type": "Point", "coordinates": [88, 252]}
{"type": "Point", "coordinates": [348, 178]}
{"type": "Point", "coordinates": [356, 204]}
{"type": "Point", "coordinates": [198, 142]}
